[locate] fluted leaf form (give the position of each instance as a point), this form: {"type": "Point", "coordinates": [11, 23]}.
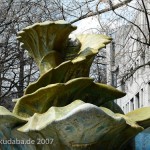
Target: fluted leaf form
{"type": "Point", "coordinates": [9, 119]}
{"type": "Point", "coordinates": [75, 127]}
{"type": "Point", "coordinates": [70, 127]}
{"type": "Point", "coordinates": [90, 47]}
{"type": "Point", "coordinates": [80, 88]}
{"type": "Point", "coordinates": [141, 116]}
{"type": "Point", "coordinates": [46, 42]}
{"type": "Point", "coordinates": [113, 106]}
{"type": "Point", "coordinates": [62, 106]}
{"type": "Point", "coordinates": [50, 82]}
{"type": "Point", "coordinates": [78, 67]}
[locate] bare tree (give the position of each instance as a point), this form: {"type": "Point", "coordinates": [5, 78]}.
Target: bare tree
{"type": "Point", "coordinates": [17, 69]}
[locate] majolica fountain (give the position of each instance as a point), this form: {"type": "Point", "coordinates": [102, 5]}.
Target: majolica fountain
{"type": "Point", "coordinates": [64, 109]}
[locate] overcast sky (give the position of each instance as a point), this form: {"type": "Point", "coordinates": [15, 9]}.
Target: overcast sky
{"type": "Point", "coordinates": [87, 25]}
{"type": "Point", "coordinates": [91, 24]}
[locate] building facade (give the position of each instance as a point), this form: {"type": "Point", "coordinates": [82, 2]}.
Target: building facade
{"type": "Point", "coordinates": [128, 66]}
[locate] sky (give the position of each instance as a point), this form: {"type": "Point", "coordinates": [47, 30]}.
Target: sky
{"type": "Point", "coordinates": [87, 25]}
{"type": "Point", "coordinates": [91, 24]}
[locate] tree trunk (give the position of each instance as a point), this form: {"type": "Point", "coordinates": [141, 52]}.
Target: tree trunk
{"type": "Point", "coordinates": [21, 73]}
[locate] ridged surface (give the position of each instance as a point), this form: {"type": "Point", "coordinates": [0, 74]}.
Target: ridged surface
{"type": "Point", "coordinates": [79, 88]}
{"type": "Point", "coordinates": [62, 106]}
{"type": "Point", "coordinates": [76, 126]}
{"type": "Point", "coordinates": [47, 39]}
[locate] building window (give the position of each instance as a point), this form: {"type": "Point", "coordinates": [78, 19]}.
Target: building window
{"type": "Point", "coordinates": [148, 93]}
{"type": "Point", "coordinates": [127, 108]}
{"type": "Point", "coordinates": [123, 87]}
{"type": "Point", "coordinates": [114, 76]}
{"type": "Point", "coordinates": [142, 59]}
{"type": "Point", "coordinates": [131, 78]}
{"type": "Point", "coordinates": [114, 79]}
{"type": "Point", "coordinates": [137, 101]}
{"type": "Point", "coordinates": [137, 71]}
{"type": "Point", "coordinates": [141, 98]}
{"type": "Point", "coordinates": [113, 53]}
{"type": "Point", "coordinates": [131, 104]}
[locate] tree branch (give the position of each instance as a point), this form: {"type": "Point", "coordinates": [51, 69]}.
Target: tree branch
{"type": "Point", "coordinates": [145, 43]}
{"type": "Point", "coordinates": [131, 72]}
{"type": "Point", "coordinates": [147, 19]}
{"type": "Point", "coordinates": [132, 24]}
{"type": "Point", "coordinates": [102, 11]}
